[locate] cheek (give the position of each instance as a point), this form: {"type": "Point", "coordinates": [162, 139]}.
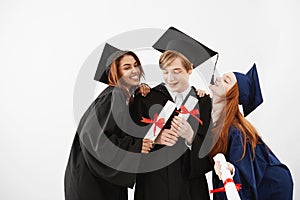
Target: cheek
{"type": "Point", "coordinates": [221, 91]}
{"type": "Point", "coordinates": [165, 76]}
{"type": "Point", "coordinates": [126, 73]}
{"type": "Point", "coordinates": [182, 77]}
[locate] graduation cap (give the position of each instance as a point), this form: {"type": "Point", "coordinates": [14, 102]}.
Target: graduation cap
{"type": "Point", "coordinates": [109, 53]}
{"type": "Point", "coordinates": [194, 51]}
{"type": "Point", "coordinates": [250, 96]}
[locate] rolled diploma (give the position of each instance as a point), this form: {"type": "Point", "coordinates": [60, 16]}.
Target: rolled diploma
{"type": "Point", "coordinates": [190, 104]}
{"type": "Point", "coordinates": [230, 188]}
{"type": "Point", "coordinates": [165, 113]}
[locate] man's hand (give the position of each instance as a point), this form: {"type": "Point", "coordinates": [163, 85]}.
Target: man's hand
{"type": "Point", "coordinates": [147, 145]}
{"type": "Point", "coordinates": [167, 137]}
{"type": "Point", "coordinates": [182, 128]}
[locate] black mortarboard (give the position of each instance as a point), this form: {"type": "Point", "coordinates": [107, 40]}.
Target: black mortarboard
{"type": "Point", "coordinates": [109, 53]}
{"type": "Point", "coordinates": [174, 39]}
{"type": "Point", "coordinates": [250, 96]}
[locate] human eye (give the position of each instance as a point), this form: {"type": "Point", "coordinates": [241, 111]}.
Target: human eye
{"type": "Point", "coordinates": [165, 72]}
{"type": "Point", "coordinates": [176, 71]}
{"type": "Point", "coordinates": [126, 67]}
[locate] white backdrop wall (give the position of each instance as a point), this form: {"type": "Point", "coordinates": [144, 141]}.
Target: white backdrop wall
{"type": "Point", "coordinates": [43, 45]}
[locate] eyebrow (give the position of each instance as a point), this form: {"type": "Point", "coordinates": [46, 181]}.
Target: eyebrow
{"type": "Point", "coordinates": [178, 68]}
{"type": "Point", "coordinates": [125, 64]}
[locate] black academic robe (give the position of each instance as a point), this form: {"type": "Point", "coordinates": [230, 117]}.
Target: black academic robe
{"type": "Point", "coordinates": [99, 142]}
{"type": "Point", "coordinates": [184, 178]}
{"type": "Point", "coordinates": [262, 178]}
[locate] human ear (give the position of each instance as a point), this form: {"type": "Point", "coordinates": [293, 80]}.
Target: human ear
{"type": "Point", "coordinates": [191, 69]}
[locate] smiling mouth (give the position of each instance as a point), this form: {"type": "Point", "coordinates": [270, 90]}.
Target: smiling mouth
{"type": "Point", "coordinates": [172, 84]}
{"type": "Point", "coordinates": [135, 77]}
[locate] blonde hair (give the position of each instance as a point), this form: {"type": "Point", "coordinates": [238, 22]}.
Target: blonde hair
{"type": "Point", "coordinates": [169, 56]}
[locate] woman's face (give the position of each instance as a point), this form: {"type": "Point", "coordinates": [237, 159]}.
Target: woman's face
{"type": "Point", "coordinates": [129, 71]}
{"type": "Point", "coordinates": [223, 84]}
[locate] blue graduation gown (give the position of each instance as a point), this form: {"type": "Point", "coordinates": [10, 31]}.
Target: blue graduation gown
{"type": "Point", "coordinates": [263, 178]}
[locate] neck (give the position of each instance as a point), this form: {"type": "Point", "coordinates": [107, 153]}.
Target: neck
{"type": "Point", "coordinates": [219, 104]}
{"type": "Point", "coordinates": [184, 88]}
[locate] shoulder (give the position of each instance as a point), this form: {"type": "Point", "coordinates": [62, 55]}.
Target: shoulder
{"type": "Point", "coordinates": [205, 99]}
{"type": "Point", "coordinates": [156, 93]}
{"type": "Point", "coordinates": [234, 130]}
{"type": "Point", "coordinates": [109, 95]}
{"type": "Point", "coordinates": [234, 135]}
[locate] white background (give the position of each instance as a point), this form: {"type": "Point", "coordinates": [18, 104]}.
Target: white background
{"type": "Point", "coordinates": [43, 45]}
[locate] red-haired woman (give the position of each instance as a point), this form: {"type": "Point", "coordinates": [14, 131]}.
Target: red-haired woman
{"type": "Point", "coordinates": [261, 174]}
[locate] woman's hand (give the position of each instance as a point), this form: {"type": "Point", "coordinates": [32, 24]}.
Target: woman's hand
{"type": "Point", "coordinates": [167, 137]}
{"type": "Point", "coordinates": [217, 168]}
{"type": "Point", "coordinates": [200, 93]}
{"type": "Point", "coordinates": [147, 145]}
{"type": "Point", "coordinates": [182, 128]}
{"type": "Point", "coordinates": [144, 89]}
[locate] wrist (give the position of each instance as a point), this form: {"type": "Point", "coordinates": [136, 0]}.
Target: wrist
{"type": "Point", "coordinates": [189, 139]}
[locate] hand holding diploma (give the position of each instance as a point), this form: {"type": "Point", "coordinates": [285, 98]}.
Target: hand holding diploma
{"type": "Point", "coordinates": [167, 137]}
{"type": "Point", "coordinates": [222, 170]}
{"type": "Point", "coordinates": [218, 171]}
{"type": "Point", "coordinates": [147, 145]}
{"type": "Point", "coordinates": [182, 128]}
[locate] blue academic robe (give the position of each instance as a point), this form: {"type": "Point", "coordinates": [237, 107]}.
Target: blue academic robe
{"type": "Point", "coordinates": [263, 178]}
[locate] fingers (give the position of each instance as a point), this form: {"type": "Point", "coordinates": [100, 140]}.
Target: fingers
{"type": "Point", "coordinates": [179, 125]}
{"type": "Point", "coordinates": [147, 145]}
{"type": "Point", "coordinates": [144, 89]}
{"type": "Point", "coordinates": [167, 137]}
{"type": "Point", "coordinates": [217, 168]}
{"type": "Point", "coordinates": [200, 93]}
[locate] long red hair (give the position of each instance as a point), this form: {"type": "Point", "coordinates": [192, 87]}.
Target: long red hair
{"type": "Point", "coordinates": [231, 116]}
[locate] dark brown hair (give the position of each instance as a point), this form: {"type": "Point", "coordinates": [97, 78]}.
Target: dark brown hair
{"type": "Point", "coordinates": [114, 74]}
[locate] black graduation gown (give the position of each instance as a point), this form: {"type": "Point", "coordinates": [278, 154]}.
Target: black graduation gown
{"type": "Point", "coordinates": [86, 178]}
{"type": "Point", "coordinates": [185, 177]}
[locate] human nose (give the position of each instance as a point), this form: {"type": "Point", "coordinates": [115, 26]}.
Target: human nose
{"type": "Point", "coordinates": [134, 69]}
{"type": "Point", "coordinates": [170, 77]}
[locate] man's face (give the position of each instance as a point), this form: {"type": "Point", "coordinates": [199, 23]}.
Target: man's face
{"type": "Point", "coordinates": [176, 76]}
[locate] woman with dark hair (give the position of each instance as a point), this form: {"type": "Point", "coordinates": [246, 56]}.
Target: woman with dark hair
{"type": "Point", "coordinates": [94, 169]}
{"type": "Point", "coordinates": [257, 169]}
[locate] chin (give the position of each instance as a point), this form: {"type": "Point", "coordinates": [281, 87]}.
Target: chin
{"type": "Point", "coordinates": [175, 90]}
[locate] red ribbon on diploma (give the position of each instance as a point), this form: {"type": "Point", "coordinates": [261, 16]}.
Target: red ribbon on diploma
{"type": "Point", "coordinates": [222, 189]}
{"type": "Point", "coordinates": [160, 123]}
{"type": "Point", "coordinates": [194, 112]}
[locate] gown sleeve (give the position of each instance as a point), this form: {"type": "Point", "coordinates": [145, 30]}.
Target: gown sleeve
{"type": "Point", "coordinates": [244, 168]}
{"type": "Point", "coordinates": [200, 165]}
{"type": "Point", "coordinates": [107, 147]}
